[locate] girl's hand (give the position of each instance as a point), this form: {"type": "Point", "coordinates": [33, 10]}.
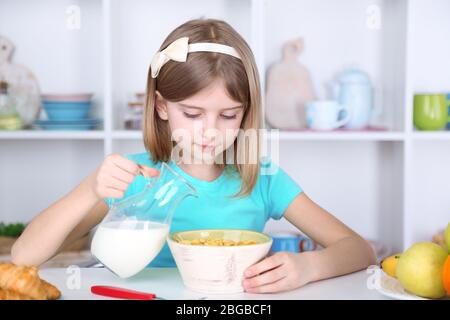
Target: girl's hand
{"type": "Point", "coordinates": [115, 174]}
{"type": "Point", "coordinates": [280, 272]}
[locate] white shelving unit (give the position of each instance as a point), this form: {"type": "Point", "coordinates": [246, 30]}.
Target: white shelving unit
{"type": "Point", "coordinates": [387, 185]}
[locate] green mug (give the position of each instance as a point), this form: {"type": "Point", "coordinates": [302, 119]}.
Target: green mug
{"type": "Point", "coordinates": [430, 111]}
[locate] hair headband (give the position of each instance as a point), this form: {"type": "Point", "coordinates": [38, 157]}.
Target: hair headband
{"type": "Point", "coordinates": [179, 49]}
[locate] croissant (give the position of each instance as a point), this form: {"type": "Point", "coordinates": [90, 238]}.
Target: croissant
{"type": "Point", "coordinates": [52, 292]}
{"type": "Point", "coordinates": [25, 281]}
{"type": "Point", "coordinates": [12, 295]}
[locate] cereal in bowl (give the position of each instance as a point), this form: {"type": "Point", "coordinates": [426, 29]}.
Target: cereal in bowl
{"type": "Point", "coordinates": [215, 242]}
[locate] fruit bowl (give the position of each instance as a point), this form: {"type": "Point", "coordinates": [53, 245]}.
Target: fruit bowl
{"type": "Point", "coordinates": [215, 268]}
{"type": "Point", "coordinates": [392, 288]}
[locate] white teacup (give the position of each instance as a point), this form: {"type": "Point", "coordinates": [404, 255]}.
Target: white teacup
{"type": "Point", "coordinates": [324, 115]}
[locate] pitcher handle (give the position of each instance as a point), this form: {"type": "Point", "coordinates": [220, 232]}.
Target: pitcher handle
{"type": "Point", "coordinates": [149, 181]}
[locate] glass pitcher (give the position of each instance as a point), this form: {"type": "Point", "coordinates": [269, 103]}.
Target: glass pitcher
{"type": "Point", "coordinates": [135, 229]}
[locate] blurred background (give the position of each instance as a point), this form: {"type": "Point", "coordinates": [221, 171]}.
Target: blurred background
{"type": "Point", "coordinates": [359, 90]}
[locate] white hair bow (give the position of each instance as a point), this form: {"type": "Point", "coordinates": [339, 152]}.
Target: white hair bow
{"type": "Point", "coordinates": [179, 49]}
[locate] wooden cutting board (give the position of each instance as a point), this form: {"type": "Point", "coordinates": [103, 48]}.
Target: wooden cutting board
{"type": "Point", "coordinates": [289, 86]}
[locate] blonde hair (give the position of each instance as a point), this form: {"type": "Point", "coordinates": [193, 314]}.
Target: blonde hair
{"type": "Point", "coordinates": [180, 80]}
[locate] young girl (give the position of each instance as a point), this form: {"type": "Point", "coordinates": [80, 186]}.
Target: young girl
{"type": "Point", "coordinates": [203, 84]}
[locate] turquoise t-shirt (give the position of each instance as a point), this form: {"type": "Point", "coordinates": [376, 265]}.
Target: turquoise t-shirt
{"type": "Point", "coordinates": [214, 209]}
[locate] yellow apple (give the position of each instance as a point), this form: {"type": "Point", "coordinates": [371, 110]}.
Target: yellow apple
{"type": "Point", "coordinates": [419, 269]}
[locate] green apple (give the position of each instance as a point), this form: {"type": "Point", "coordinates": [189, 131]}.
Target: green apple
{"type": "Point", "coordinates": [447, 237]}
{"type": "Point", "coordinates": [419, 270]}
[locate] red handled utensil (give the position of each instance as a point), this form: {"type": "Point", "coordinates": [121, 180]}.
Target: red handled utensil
{"type": "Point", "coordinates": [121, 293]}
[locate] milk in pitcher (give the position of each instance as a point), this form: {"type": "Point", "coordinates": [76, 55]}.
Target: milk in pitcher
{"type": "Point", "coordinates": [127, 247]}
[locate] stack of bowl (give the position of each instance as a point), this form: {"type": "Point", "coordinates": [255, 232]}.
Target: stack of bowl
{"type": "Point", "coordinates": [67, 112]}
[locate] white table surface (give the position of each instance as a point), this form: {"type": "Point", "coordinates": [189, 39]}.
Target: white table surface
{"type": "Point", "coordinates": [166, 283]}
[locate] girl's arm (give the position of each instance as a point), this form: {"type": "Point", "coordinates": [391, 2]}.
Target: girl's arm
{"type": "Point", "coordinates": [345, 251]}
{"type": "Point", "coordinates": [76, 213]}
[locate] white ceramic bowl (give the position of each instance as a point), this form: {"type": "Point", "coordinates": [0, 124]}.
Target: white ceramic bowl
{"type": "Point", "coordinates": [217, 269]}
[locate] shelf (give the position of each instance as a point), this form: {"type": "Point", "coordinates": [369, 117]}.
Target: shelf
{"type": "Point", "coordinates": [293, 136]}
{"type": "Point", "coordinates": [341, 136]}
{"type": "Point", "coordinates": [56, 135]}
{"type": "Point", "coordinates": [357, 39]}
{"type": "Point", "coordinates": [283, 135]}
{"type": "Point", "coordinates": [127, 134]}
{"type": "Point", "coordinates": [431, 135]}
{"type": "Point", "coordinates": [48, 36]}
